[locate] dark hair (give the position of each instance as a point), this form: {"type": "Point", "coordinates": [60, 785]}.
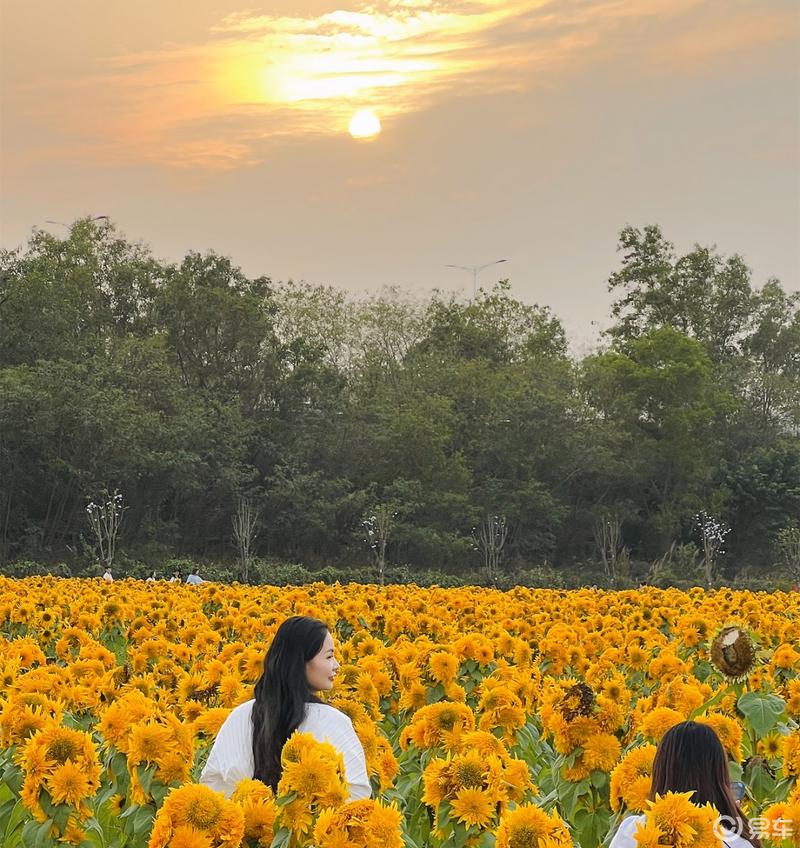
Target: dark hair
{"type": "Point", "coordinates": [691, 758]}
{"type": "Point", "coordinates": [282, 692]}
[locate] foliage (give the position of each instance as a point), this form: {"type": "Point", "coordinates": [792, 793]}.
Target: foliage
{"type": "Point", "coordinates": [191, 387]}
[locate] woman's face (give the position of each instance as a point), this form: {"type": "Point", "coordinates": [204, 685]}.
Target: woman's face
{"type": "Point", "coordinates": [321, 670]}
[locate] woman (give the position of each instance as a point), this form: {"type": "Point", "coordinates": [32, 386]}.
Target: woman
{"type": "Point", "coordinates": [690, 758]}
{"type": "Point", "coordinates": [299, 663]}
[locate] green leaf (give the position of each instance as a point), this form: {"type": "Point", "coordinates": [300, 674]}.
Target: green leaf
{"type": "Point", "coordinates": [17, 818]}
{"type": "Point", "coordinates": [145, 775]}
{"type": "Point", "coordinates": [761, 783]}
{"type": "Point", "coordinates": [281, 838]}
{"type": "Point", "coordinates": [61, 816]}
{"type": "Point", "coordinates": [599, 779]}
{"type": "Point", "coordinates": [41, 837]}
{"type": "Point", "coordinates": [119, 764]}
{"type": "Point", "coordinates": [283, 800]}
{"type": "Point", "coordinates": [143, 819]}
{"type": "Point", "coordinates": [762, 711]}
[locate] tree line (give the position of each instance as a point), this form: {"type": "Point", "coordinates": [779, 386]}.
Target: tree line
{"type": "Point", "coordinates": [297, 422]}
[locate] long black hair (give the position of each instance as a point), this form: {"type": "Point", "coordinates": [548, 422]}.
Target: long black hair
{"type": "Point", "coordinates": [282, 692]}
{"type": "Point", "coordinates": [691, 758]}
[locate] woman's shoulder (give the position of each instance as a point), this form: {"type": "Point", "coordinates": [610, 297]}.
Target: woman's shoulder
{"type": "Point", "coordinates": [240, 714]}
{"type": "Point", "coordinates": [328, 715]}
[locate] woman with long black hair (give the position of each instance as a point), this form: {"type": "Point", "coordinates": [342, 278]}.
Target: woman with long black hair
{"type": "Point", "coordinates": [299, 663]}
{"type": "Point", "coordinates": [691, 758]}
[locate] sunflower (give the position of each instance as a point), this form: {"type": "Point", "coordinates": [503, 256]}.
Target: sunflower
{"type": "Point", "coordinates": [186, 836]}
{"type": "Point", "coordinates": [528, 826]}
{"type": "Point", "coordinates": [658, 721]}
{"type": "Point", "coordinates": [68, 784]}
{"type": "Point", "coordinates": [681, 823]}
{"type": "Point", "coordinates": [259, 808]}
{"type": "Point", "coordinates": [435, 781]}
{"type": "Point", "coordinates": [148, 742]}
{"type": "Point", "coordinates": [631, 780]}
{"type": "Point", "coordinates": [64, 765]}
{"type": "Point", "coordinates": [467, 770]}
{"type": "Point", "coordinates": [791, 754]}
{"type": "Point", "coordinates": [732, 653]}
{"type": "Point", "coordinates": [203, 814]}
{"type": "Point", "coordinates": [383, 828]}
{"type": "Point", "coordinates": [443, 666]}
{"type": "Point", "coordinates": [473, 806]}
{"type": "Point", "coordinates": [786, 657]}
{"type": "Point", "coordinates": [601, 752]}
{"type": "Point", "coordinates": [792, 699]}
{"type": "Point", "coordinates": [314, 774]}
{"type": "Point", "coordinates": [359, 824]}
{"type": "Point", "coordinates": [578, 700]}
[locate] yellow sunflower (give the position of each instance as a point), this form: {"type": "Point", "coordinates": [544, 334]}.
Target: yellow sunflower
{"type": "Point", "coordinates": [473, 806]}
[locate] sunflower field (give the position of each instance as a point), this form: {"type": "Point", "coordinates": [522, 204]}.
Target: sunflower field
{"type": "Point", "coordinates": [511, 719]}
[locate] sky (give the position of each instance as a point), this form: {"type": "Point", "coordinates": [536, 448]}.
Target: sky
{"type": "Point", "coordinates": [528, 131]}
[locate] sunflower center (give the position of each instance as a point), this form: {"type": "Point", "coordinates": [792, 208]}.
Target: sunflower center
{"type": "Point", "coordinates": [204, 813]}
{"type": "Point", "coordinates": [469, 774]}
{"type": "Point", "coordinates": [524, 836]}
{"type": "Point", "coordinates": [62, 750]}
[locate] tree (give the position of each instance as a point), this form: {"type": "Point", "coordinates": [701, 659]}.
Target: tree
{"type": "Point", "coordinates": [787, 544]}
{"type": "Point", "coordinates": [490, 539]}
{"type": "Point", "coordinates": [712, 534]}
{"type": "Point", "coordinates": [659, 391]}
{"type": "Point", "coordinates": [105, 519]}
{"type": "Point", "coordinates": [245, 524]}
{"type": "Point", "coordinates": [773, 358]}
{"type": "Point", "coordinates": [378, 526]}
{"type": "Point", "coordinates": [219, 327]}
{"type": "Point", "coordinates": [611, 546]}
{"type": "Point", "coordinates": [702, 295]}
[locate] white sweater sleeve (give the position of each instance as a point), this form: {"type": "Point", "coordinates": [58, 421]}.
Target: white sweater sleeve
{"type": "Point", "coordinates": [625, 837]}
{"type": "Point", "coordinates": [231, 757]}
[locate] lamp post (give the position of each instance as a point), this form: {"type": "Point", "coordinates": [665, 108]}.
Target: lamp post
{"type": "Point", "coordinates": [476, 269]}
{"type": "Point", "coordinates": [68, 226]}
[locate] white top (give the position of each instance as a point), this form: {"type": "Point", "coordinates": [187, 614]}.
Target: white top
{"type": "Point", "coordinates": [625, 837]}
{"type": "Point", "coordinates": [194, 580]}
{"type": "Point", "coordinates": [231, 757]}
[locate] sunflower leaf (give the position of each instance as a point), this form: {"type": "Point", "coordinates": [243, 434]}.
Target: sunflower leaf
{"type": "Point", "coordinates": [762, 711]}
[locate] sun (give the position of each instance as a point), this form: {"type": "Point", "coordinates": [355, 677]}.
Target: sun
{"type": "Point", "coordinates": [364, 124]}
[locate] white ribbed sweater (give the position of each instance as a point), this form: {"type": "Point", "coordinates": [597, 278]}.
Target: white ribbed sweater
{"type": "Point", "coordinates": [231, 756]}
{"type": "Point", "coordinates": [625, 837]}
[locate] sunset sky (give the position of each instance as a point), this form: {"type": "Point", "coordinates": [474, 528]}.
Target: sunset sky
{"type": "Point", "coordinates": [531, 131]}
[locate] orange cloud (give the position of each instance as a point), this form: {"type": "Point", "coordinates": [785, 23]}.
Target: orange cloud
{"type": "Point", "coordinates": [258, 79]}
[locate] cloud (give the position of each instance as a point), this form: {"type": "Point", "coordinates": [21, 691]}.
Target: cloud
{"type": "Point", "coordinates": [258, 79]}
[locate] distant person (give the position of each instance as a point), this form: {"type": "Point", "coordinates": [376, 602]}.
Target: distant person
{"type": "Point", "coordinates": [194, 579]}
{"type": "Point", "coordinates": [177, 577]}
{"type": "Point", "coordinates": [108, 576]}
{"type": "Point", "coordinates": [691, 758]}
{"type": "Point", "coordinates": [152, 578]}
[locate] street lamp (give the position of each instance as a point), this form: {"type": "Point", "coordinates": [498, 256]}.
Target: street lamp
{"type": "Point", "coordinates": [476, 269]}
{"type": "Point", "coordinates": [68, 226]}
